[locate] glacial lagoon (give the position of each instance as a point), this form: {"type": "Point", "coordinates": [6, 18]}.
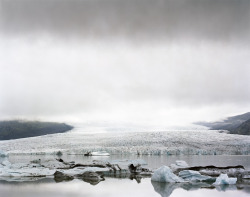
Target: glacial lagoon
{"type": "Point", "coordinates": [128, 186]}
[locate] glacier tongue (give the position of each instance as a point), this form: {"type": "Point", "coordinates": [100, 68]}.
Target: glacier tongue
{"type": "Point", "coordinates": [183, 142]}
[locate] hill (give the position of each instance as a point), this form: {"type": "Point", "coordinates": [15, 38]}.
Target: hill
{"type": "Point", "coordinates": [239, 124]}
{"type": "Point", "coordinates": [15, 129]}
{"type": "Point", "coordinates": [243, 129]}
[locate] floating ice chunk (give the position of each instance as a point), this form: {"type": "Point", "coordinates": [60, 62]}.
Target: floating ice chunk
{"type": "Point", "coordinates": [26, 172]}
{"type": "Point", "coordinates": [165, 174]}
{"type": "Point", "coordinates": [77, 171]}
{"type": "Point", "coordinates": [223, 179]}
{"type": "Point", "coordinates": [191, 175]}
{"type": "Point", "coordinates": [23, 170]}
{"type": "Point", "coordinates": [53, 163]}
{"type": "Point", "coordinates": [99, 153]}
{"type": "Point", "coordinates": [179, 164]}
{"type": "Point", "coordinates": [3, 154]}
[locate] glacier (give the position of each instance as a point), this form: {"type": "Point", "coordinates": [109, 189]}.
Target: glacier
{"type": "Point", "coordinates": [180, 142]}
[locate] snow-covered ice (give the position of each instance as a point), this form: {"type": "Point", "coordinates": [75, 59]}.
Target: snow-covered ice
{"type": "Point", "coordinates": [23, 170]}
{"type": "Point", "coordinates": [164, 174]}
{"type": "Point", "coordinates": [76, 171]}
{"type": "Point", "coordinates": [190, 175]}
{"type": "Point", "coordinates": [99, 153]}
{"type": "Point", "coordinates": [178, 165]}
{"type": "Point", "coordinates": [185, 142]}
{"type": "Point", "coordinates": [223, 179]}
{"type": "Point", "coordinates": [3, 154]}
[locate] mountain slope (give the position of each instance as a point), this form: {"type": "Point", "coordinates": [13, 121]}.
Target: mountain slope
{"type": "Point", "coordinates": [21, 129]}
{"type": "Point", "coordinates": [230, 123]}
{"type": "Point", "coordinates": [243, 129]}
{"type": "Point", "coordinates": [235, 124]}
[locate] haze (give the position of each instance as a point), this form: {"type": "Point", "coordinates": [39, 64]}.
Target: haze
{"type": "Point", "coordinates": [154, 63]}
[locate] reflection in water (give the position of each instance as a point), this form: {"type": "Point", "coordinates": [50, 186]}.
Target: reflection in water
{"type": "Point", "coordinates": [166, 189]}
{"type": "Point", "coordinates": [112, 187]}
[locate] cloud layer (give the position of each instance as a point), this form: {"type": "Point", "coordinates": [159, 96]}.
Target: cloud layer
{"type": "Point", "coordinates": [146, 62]}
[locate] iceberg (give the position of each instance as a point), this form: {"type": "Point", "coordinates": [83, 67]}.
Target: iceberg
{"type": "Point", "coordinates": [164, 174]}
{"type": "Point", "coordinates": [191, 175]}
{"type": "Point", "coordinates": [99, 153]}
{"type": "Point", "coordinates": [223, 179]}
{"type": "Point", "coordinates": [179, 164]}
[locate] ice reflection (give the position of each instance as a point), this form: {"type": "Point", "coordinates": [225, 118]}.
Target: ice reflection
{"type": "Point", "coordinates": [123, 187]}
{"type": "Point", "coordinates": [166, 189]}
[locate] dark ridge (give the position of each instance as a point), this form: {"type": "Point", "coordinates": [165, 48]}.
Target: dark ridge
{"type": "Point", "coordinates": [239, 124]}
{"type": "Point", "coordinates": [16, 129]}
{"type": "Point", "coordinates": [243, 129]}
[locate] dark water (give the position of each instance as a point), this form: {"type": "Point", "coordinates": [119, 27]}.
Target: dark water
{"type": "Point", "coordinates": [112, 187]}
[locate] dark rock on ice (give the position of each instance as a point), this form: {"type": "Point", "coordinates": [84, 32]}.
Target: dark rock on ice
{"type": "Point", "coordinates": [91, 177]}
{"type": "Point", "coordinates": [59, 177]}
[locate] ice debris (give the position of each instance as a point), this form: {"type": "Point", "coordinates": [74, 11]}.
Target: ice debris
{"type": "Point", "coordinates": [98, 153]}
{"type": "Point", "coordinates": [190, 175]}
{"type": "Point", "coordinates": [223, 179]}
{"type": "Point", "coordinates": [3, 154]}
{"type": "Point", "coordinates": [165, 174]}
{"type": "Point", "coordinates": [178, 165]}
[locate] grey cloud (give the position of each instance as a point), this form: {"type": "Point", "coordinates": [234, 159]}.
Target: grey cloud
{"type": "Point", "coordinates": [220, 20]}
{"type": "Point", "coordinates": [74, 57]}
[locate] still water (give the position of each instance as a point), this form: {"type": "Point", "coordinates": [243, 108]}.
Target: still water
{"type": "Point", "coordinates": [113, 187]}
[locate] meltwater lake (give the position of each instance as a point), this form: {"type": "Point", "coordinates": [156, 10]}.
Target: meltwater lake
{"type": "Point", "coordinates": [128, 186]}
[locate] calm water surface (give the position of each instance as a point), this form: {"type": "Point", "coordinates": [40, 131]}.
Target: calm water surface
{"type": "Point", "coordinates": [113, 187]}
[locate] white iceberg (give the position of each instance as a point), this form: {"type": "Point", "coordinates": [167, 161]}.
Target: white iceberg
{"type": "Point", "coordinates": [8, 169]}
{"type": "Point", "coordinates": [99, 153]}
{"type": "Point", "coordinates": [165, 174]}
{"type": "Point", "coordinates": [191, 175]}
{"type": "Point", "coordinates": [223, 179]}
{"type": "Point", "coordinates": [179, 164]}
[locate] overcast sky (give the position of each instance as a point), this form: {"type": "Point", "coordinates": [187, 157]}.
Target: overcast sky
{"type": "Point", "coordinates": [140, 62]}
